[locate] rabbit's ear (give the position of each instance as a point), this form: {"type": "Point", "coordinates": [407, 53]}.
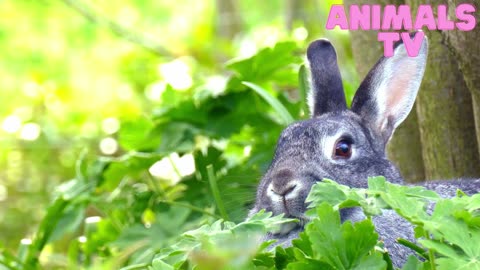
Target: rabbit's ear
{"type": "Point", "coordinates": [327, 89]}
{"type": "Point", "coordinates": [386, 96]}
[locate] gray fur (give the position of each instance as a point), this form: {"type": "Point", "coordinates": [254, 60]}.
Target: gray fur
{"type": "Point", "coordinates": [304, 153]}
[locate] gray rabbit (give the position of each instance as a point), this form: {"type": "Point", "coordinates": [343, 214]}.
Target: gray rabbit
{"type": "Point", "coordinates": [348, 145]}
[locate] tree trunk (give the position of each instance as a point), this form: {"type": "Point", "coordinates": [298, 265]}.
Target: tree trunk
{"type": "Point", "coordinates": [466, 48]}
{"type": "Point", "coordinates": [303, 13]}
{"type": "Point", "coordinates": [404, 149]}
{"type": "Point", "coordinates": [228, 20]}
{"type": "Point", "coordinates": [445, 114]}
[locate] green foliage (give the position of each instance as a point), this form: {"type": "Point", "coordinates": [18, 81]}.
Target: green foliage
{"type": "Point", "coordinates": [446, 237]}
{"type": "Point", "coordinates": [83, 84]}
{"type": "Point", "coordinates": [222, 245]}
{"type": "Point", "coordinates": [195, 157]}
{"type": "Point", "coordinates": [343, 246]}
{"type": "Point", "coordinates": [174, 191]}
{"type": "Point", "coordinates": [449, 234]}
{"type": "Point", "coordinates": [88, 83]}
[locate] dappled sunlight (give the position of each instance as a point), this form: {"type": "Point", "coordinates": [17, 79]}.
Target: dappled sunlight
{"type": "Point", "coordinates": [30, 132]}
{"type": "Point", "coordinates": [12, 124]}
{"type": "Point", "coordinates": [125, 124]}
{"type": "Point", "coordinates": [173, 168]}
{"type": "Point", "coordinates": [108, 146]}
{"type": "Point", "coordinates": [177, 74]}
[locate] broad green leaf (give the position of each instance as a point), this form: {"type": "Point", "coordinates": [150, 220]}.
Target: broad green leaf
{"type": "Point", "coordinates": [304, 244]}
{"type": "Point", "coordinates": [413, 264]}
{"type": "Point", "coordinates": [474, 203]}
{"type": "Point", "coordinates": [265, 62]}
{"type": "Point", "coordinates": [158, 264]}
{"type": "Point", "coordinates": [276, 105]}
{"type": "Point", "coordinates": [441, 248]}
{"type": "Point", "coordinates": [135, 135]}
{"type": "Point", "coordinates": [373, 261]}
{"type": "Point", "coordinates": [264, 259]}
{"type": "Point", "coordinates": [409, 202]}
{"type": "Point", "coordinates": [327, 191]}
{"type": "Point", "coordinates": [343, 246]}
{"type": "Point", "coordinates": [309, 265]}
{"type": "Point", "coordinates": [283, 257]}
{"type": "Point", "coordinates": [341, 196]}
{"type": "Point", "coordinates": [449, 263]}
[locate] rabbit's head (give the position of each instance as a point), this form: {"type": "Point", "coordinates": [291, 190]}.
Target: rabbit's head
{"type": "Point", "coordinates": [345, 145]}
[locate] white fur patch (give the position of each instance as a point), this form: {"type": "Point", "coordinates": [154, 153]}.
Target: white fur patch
{"type": "Point", "coordinates": [273, 196]}
{"type": "Point", "coordinates": [298, 187]}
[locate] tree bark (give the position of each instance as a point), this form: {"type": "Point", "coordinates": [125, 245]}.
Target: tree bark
{"type": "Point", "coordinates": [465, 46]}
{"type": "Point", "coordinates": [404, 149]}
{"type": "Point", "coordinates": [445, 113]}
{"type": "Point", "coordinates": [228, 21]}
{"type": "Point", "coordinates": [303, 13]}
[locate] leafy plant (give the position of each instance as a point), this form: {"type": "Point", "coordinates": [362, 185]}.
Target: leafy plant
{"type": "Point", "coordinates": [174, 171]}
{"type": "Point", "coordinates": [148, 208]}
{"type": "Point", "coordinates": [449, 234]}
{"type": "Point", "coordinates": [176, 193]}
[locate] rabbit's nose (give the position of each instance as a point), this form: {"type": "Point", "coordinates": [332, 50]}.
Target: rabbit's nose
{"type": "Point", "coordinates": [283, 183]}
{"type": "Point", "coordinates": [283, 190]}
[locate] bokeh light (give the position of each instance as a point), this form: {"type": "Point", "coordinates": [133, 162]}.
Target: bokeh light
{"type": "Point", "coordinates": [12, 124]}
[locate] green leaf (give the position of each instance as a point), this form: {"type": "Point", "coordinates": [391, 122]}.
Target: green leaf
{"type": "Point", "coordinates": [453, 230]}
{"type": "Point", "coordinates": [409, 202]}
{"type": "Point", "coordinates": [266, 62]}
{"type": "Point", "coordinates": [340, 196]}
{"type": "Point", "coordinates": [283, 257]}
{"type": "Point", "coordinates": [264, 259]}
{"type": "Point", "coordinates": [309, 265]}
{"type": "Point", "coordinates": [212, 180]}
{"type": "Point", "coordinates": [343, 246]}
{"type": "Point", "coordinates": [133, 164]}
{"type": "Point", "coordinates": [69, 222]}
{"type": "Point", "coordinates": [158, 264]}
{"type": "Point", "coordinates": [135, 135]}
{"type": "Point", "coordinates": [175, 137]}
{"type": "Point", "coordinates": [276, 105]}
{"type": "Point", "coordinates": [474, 203]}
{"type": "Point", "coordinates": [441, 248]}
{"type": "Point", "coordinates": [303, 243]}
{"type": "Point", "coordinates": [327, 191]}
{"type": "Point", "coordinates": [413, 264]}
{"type": "Point", "coordinates": [47, 226]}
{"type": "Point", "coordinates": [450, 263]}
{"type": "Point", "coordinates": [304, 88]}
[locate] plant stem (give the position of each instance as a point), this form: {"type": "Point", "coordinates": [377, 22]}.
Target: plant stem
{"type": "Point", "coordinates": [431, 255]}
{"type": "Point", "coordinates": [191, 207]}
{"type": "Point", "coordinates": [216, 193]}
{"type": "Point", "coordinates": [413, 247]}
{"type": "Point", "coordinates": [130, 35]}
{"type": "Point", "coordinates": [156, 188]}
{"type": "Point", "coordinates": [304, 89]}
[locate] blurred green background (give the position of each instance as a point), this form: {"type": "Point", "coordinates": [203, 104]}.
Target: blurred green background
{"type": "Point", "coordinates": [156, 81]}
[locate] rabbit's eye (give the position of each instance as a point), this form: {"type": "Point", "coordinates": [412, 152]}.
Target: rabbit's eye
{"type": "Point", "coordinates": [343, 149]}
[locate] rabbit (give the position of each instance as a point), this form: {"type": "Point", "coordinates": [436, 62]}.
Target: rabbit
{"type": "Point", "coordinates": [348, 145]}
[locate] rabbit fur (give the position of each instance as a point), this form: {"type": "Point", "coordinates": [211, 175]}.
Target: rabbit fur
{"type": "Point", "coordinates": [307, 150]}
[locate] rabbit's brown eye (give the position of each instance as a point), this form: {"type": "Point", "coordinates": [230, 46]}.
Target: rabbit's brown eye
{"type": "Point", "coordinates": [343, 149]}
